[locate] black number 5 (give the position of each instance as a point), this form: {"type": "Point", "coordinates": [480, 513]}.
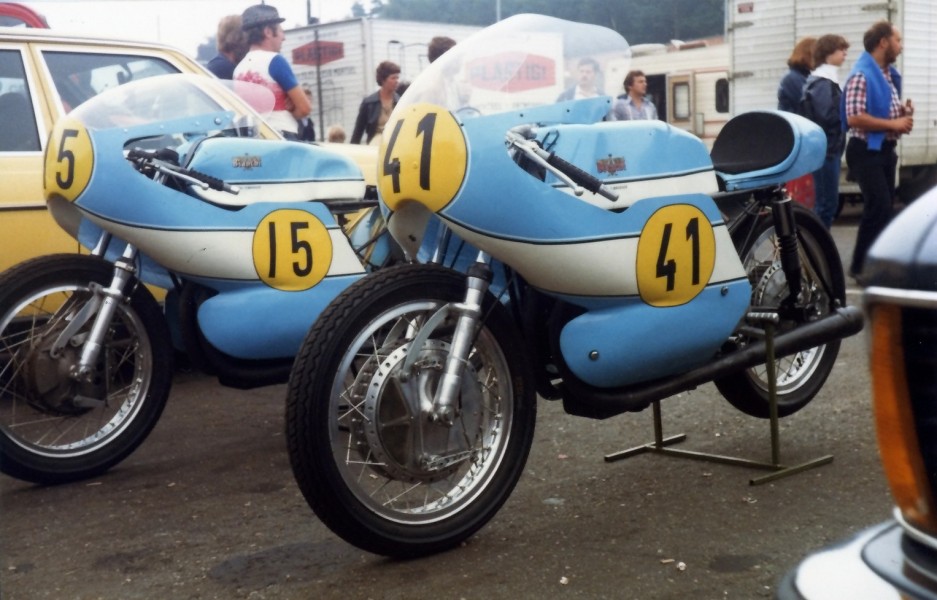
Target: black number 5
{"type": "Point", "coordinates": [301, 246]}
{"type": "Point", "coordinates": [67, 157]}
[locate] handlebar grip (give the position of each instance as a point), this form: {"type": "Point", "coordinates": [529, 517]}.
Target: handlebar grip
{"type": "Point", "coordinates": [165, 154]}
{"type": "Point", "coordinates": [586, 180]}
{"type": "Point", "coordinates": [140, 153]}
{"type": "Point", "coordinates": [212, 182]}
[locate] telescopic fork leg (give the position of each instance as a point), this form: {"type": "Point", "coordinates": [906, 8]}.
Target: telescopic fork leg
{"type": "Point", "coordinates": [445, 402]}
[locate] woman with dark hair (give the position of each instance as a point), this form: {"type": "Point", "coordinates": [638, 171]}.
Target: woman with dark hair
{"type": "Point", "coordinates": [792, 84]}
{"type": "Point", "coordinates": [820, 103]}
{"type": "Point", "coordinates": [232, 46]}
{"type": "Point", "coordinates": [375, 109]}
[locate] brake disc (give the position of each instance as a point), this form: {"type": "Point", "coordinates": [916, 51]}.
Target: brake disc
{"type": "Point", "coordinates": [397, 431]}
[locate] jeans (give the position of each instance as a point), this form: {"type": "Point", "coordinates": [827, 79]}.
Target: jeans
{"type": "Point", "coordinates": [826, 186]}
{"type": "Point", "coordinates": [874, 171]}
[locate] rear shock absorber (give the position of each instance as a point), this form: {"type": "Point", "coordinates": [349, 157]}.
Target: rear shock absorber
{"type": "Point", "coordinates": [782, 211]}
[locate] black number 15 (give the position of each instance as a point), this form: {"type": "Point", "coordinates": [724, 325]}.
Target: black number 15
{"type": "Point", "coordinates": [297, 246]}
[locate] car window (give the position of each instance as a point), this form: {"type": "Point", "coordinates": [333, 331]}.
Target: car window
{"type": "Point", "coordinates": [18, 131]}
{"type": "Point", "coordinates": [80, 75]}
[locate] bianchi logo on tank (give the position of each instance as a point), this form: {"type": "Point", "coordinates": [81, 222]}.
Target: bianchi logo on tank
{"type": "Point", "coordinates": [610, 165]}
{"type": "Point", "coordinates": [246, 162]}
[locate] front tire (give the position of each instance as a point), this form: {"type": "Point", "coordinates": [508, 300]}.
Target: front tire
{"type": "Point", "coordinates": [370, 464]}
{"type": "Point", "coordinates": [54, 429]}
{"type": "Point", "coordinates": [801, 375]}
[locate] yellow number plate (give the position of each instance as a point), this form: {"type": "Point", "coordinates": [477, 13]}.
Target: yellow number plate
{"type": "Point", "coordinates": [292, 250]}
{"type": "Point", "coordinates": [676, 255]}
{"type": "Point", "coordinates": [424, 157]}
{"type": "Point", "coordinates": [69, 160]}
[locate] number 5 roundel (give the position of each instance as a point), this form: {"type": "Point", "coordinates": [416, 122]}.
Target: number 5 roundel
{"type": "Point", "coordinates": [423, 158]}
{"type": "Point", "coordinates": [69, 160]}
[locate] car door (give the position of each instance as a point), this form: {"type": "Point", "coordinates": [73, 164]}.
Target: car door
{"type": "Point", "coordinates": [25, 225]}
{"type": "Point", "coordinates": [39, 82]}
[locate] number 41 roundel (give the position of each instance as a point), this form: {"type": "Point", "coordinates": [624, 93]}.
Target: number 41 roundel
{"type": "Point", "coordinates": [676, 255]}
{"type": "Point", "coordinates": [423, 157]}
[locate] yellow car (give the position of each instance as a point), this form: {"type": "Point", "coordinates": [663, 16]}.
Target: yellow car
{"type": "Point", "coordinates": [43, 76]}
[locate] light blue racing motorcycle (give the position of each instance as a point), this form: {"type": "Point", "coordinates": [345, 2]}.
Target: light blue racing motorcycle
{"type": "Point", "coordinates": [174, 182]}
{"type": "Point", "coordinates": [618, 263]}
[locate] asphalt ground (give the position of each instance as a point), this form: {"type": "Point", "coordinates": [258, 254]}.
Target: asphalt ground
{"type": "Point", "coordinates": [207, 508]}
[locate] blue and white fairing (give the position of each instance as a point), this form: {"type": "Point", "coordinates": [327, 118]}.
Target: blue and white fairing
{"type": "Point", "coordinates": [274, 252]}
{"type": "Point", "coordinates": [656, 271]}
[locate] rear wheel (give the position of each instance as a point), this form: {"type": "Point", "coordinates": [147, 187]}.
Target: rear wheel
{"type": "Point", "coordinates": [54, 429]}
{"type": "Point", "coordinates": [801, 375]}
{"type": "Point", "coordinates": [369, 460]}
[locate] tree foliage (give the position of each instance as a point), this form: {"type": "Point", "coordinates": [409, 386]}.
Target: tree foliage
{"type": "Point", "coordinates": [639, 21]}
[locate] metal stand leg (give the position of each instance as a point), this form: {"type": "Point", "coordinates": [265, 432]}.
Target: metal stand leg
{"type": "Point", "coordinates": [660, 444]}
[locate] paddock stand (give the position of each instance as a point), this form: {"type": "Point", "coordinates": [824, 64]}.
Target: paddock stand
{"type": "Point", "coordinates": [661, 445]}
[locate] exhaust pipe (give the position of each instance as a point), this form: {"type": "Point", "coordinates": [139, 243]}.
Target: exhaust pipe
{"type": "Point", "coordinates": [584, 400]}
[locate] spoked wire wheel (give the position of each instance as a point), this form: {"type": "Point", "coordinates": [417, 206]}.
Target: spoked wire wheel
{"type": "Point", "coordinates": [371, 459]}
{"type": "Point", "coordinates": [55, 427]}
{"type": "Point", "coordinates": [801, 375]}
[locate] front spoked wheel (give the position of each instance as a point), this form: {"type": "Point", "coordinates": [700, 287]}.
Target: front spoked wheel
{"type": "Point", "coordinates": [801, 375]}
{"type": "Point", "coordinates": [55, 428]}
{"type": "Point", "coordinates": [369, 458]}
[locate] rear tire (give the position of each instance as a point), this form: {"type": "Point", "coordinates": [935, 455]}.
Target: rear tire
{"type": "Point", "coordinates": [799, 376]}
{"type": "Point", "coordinates": [49, 434]}
{"type": "Point", "coordinates": [370, 464]}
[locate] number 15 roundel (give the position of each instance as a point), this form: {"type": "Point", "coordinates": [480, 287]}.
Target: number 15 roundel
{"type": "Point", "coordinates": [423, 158]}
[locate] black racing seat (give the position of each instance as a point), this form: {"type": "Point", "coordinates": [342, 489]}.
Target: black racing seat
{"type": "Point", "coordinates": [752, 141]}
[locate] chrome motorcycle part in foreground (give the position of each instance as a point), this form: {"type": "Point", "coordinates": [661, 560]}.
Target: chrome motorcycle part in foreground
{"type": "Point", "coordinates": [111, 297]}
{"type": "Point", "coordinates": [468, 314]}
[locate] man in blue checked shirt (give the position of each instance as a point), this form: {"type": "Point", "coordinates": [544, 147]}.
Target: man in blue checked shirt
{"type": "Point", "coordinates": [875, 117]}
{"type": "Point", "coordinates": [634, 105]}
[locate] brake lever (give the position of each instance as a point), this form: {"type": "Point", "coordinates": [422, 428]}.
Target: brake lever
{"type": "Point", "coordinates": [577, 179]}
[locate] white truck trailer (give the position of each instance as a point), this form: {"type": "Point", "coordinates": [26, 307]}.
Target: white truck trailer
{"type": "Point", "coordinates": [338, 60]}
{"type": "Point", "coordinates": [688, 83]}
{"type": "Point", "coordinates": [761, 34]}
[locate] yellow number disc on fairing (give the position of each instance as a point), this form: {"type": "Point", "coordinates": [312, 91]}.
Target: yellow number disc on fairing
{"type": "Point", "coordinates": [423, 157]}
{"type": "Point", "coordinates": [69, 160]}
{"type": "Point", "coordinates": [292, 250]}
{"type": "Point", "coordinates": [676, 255]}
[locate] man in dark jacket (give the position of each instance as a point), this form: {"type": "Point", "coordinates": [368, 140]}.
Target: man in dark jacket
{"type": "Point", "coordinates": [375, 109]}
{"type": "Point", "coordinates": [820, 103]}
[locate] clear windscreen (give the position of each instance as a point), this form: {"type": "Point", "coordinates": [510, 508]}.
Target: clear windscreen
{"type": "Point", "coordinates": [523, 61]}
{"type": "Point", "coordinates": [171, 97]}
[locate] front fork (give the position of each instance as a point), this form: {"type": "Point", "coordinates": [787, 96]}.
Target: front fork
{"type": "Point", "coordinates": [470, 311]}
{"type": "Point", "coordinates": [101, 308]}
{"type": "Point", "coordinates": [443, 408]}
